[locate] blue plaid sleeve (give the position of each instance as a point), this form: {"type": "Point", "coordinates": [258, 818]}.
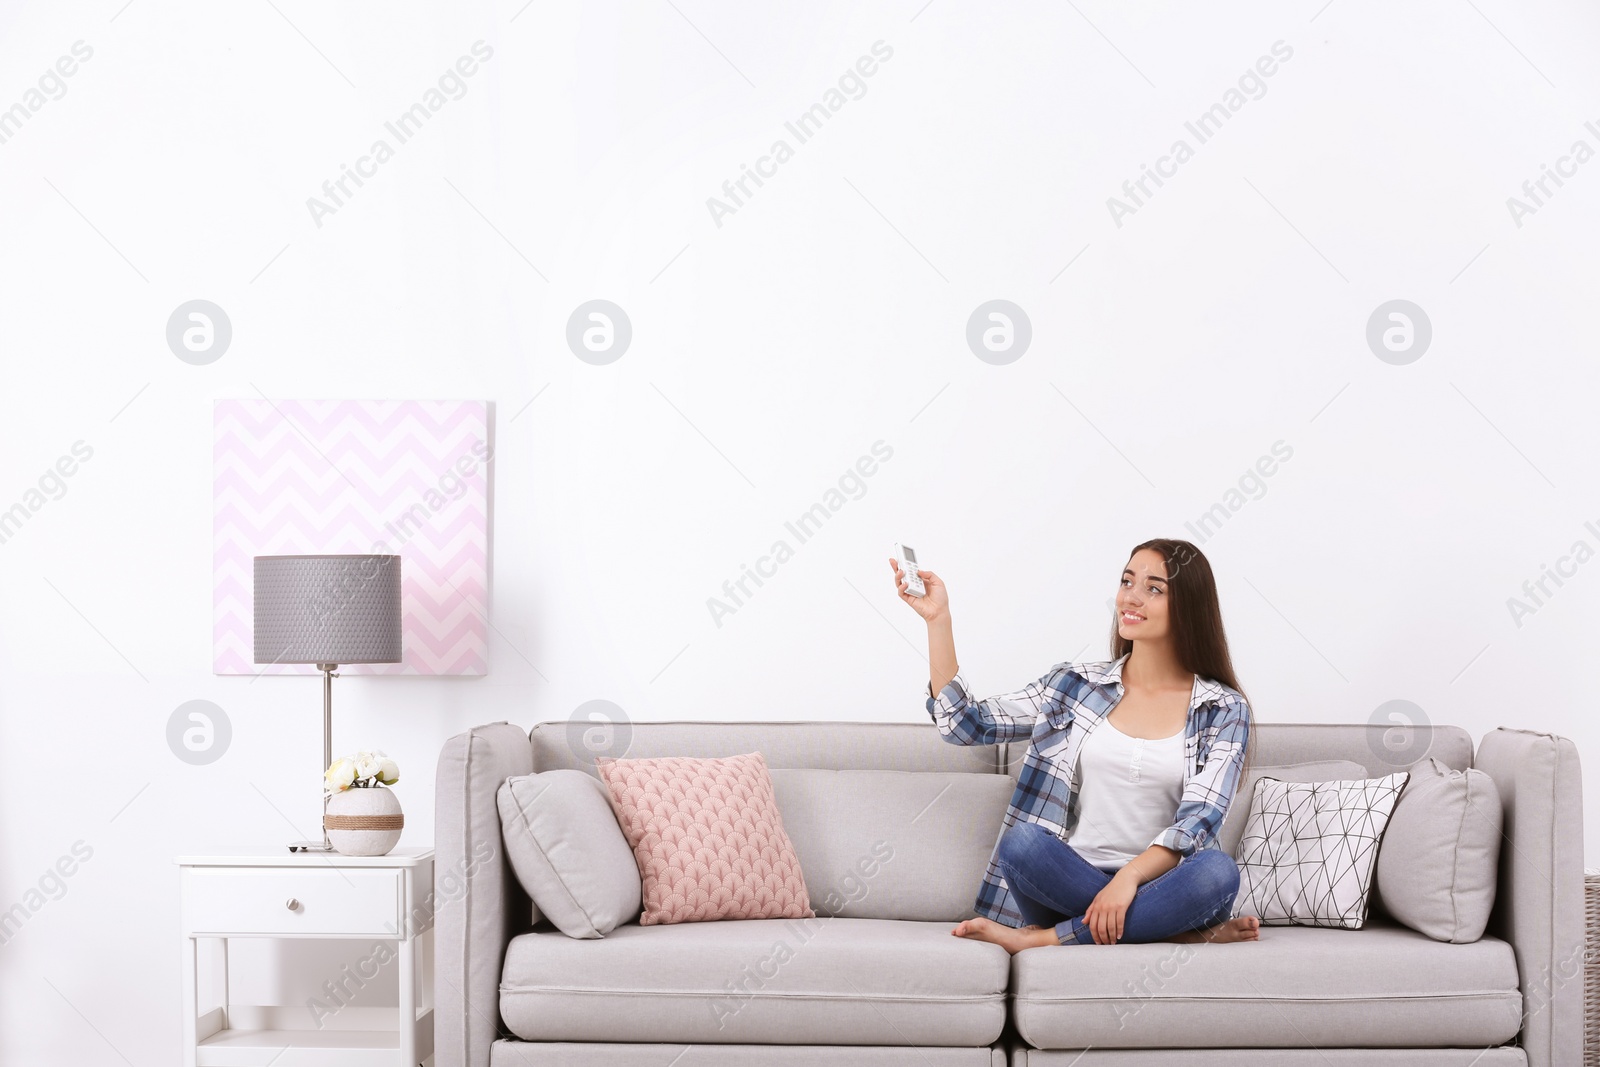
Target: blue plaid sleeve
{"type": "Point", "coordinates": [1009, 717]}
{"type": "Point", "coordinates": [1207, 796]}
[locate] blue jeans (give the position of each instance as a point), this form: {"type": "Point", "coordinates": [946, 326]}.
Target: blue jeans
{"type": "Point", "coordinates": [1053, 886]}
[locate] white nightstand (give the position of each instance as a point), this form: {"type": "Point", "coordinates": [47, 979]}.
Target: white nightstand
{"type": "Point", "coordinates": [270, 892]}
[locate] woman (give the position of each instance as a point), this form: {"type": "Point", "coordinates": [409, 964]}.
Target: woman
{"type": "Point", "coordinates": [1134, 760]}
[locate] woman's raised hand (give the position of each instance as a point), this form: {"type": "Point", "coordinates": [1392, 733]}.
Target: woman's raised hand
{"type": "Point", "coordinates": [936, 600]}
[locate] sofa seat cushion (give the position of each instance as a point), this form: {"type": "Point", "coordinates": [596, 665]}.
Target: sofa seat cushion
{"type": "Point", "coordinates": [1296, 987]}
{"type": "Point", "coordinates": [760, 981]}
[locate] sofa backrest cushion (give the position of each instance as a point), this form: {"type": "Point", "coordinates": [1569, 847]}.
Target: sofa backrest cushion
{"type": "Point", "coordinates": [890, 844]}
{"type": "Point", "coordinates": [569, 852]}
{"type": "Point", "coordinates": [890, 746]}
{"type": "Point", "coordinates": [1380, 747]}
{"type": "Point", "coordinates": [1439, 861]}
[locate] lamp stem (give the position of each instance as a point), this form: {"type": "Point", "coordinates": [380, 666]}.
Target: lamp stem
{"type": "Point", "coordinates": [327, 739]}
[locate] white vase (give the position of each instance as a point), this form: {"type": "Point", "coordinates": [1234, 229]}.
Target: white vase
{"type": "Point", "coordinates": [364, 821]}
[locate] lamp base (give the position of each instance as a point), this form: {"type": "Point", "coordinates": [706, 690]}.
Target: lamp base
{"type": "Point", "coordinates": [310, 846]}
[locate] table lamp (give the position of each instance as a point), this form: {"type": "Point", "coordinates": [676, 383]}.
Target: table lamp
{"type": "Point", "coordinates": [327, 610]}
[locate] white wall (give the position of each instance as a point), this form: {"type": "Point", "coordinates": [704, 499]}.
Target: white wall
{"type": "Point", "coordinates": [1169, 354]}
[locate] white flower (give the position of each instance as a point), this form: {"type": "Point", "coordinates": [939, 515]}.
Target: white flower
{"type": "Point", "coordinates": [340, 773]}
{"type": "Point", "coordinates": [388, 772]}
{"type": "Point", "coordinates": [367, 765]}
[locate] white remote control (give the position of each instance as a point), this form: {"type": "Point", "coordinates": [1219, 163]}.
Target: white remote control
{"type": "Point", "coordinates": [908, 569]}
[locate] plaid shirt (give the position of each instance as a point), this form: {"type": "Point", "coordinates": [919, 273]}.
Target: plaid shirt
{"type": "Point", "coordinates": [1045, 711]}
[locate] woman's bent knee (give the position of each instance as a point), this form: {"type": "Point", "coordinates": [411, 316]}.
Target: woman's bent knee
{"type": "Point", "coordinates": [1217, 870]}
{"type": "Point", "coordinates": [1018, 839]}
{"type": "Point", "coordinates": [1024, 843]}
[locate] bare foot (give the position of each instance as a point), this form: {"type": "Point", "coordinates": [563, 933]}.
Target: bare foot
{"type": "Point", "coordinates": [1244, 928]}
{"type": "Point", "coordinates": [1011, 939]}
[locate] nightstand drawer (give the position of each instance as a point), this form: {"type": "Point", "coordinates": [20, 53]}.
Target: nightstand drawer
{"type": "Point", "coordinates": [289, 902]}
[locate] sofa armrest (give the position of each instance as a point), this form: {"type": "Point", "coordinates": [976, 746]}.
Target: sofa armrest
{"type": "Point", "coordinates": [478, 901]}
{"type": "Point", "coordinates": [1539, 895]}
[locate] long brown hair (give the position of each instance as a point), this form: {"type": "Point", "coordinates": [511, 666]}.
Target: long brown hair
{"type": "Point", "coordinates": [1198, 640]}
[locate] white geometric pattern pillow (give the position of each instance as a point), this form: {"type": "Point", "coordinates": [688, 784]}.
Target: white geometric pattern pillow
{"type": "Point", "coordinates": [1309, 848]}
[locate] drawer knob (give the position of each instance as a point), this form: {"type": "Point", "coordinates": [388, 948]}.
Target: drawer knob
{"type": "Point", "coordinates": [292, 904]}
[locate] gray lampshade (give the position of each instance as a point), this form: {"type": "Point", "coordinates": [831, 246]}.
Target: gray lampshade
{"type": "Point", "coordinates": [327, 609]}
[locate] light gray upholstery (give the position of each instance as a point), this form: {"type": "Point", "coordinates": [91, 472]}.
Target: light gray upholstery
{"type": "Point", "coordinates": [1505, 1056]}
{"type": "Point", "coordinates": [879, 746]}
{"type": "Point", "coordinates": [1538, 904]}
{"type": "Point", "coordinates": [1384, 984]}
{"type": "Point", "coordinates": [478, 903]}
{"type": "Point", "coordinates": [569, 852]}
{"type": "Point", "coordinates": [609, 1054]}
{"type": "Point", "coordinates": [1525, 973]}
{"type": "Point", "coordinates": [892, 844]}
{"type": "Point", "coordinates": [1439, 859]}
{"type": "Point", "coordinates": [782, 981]}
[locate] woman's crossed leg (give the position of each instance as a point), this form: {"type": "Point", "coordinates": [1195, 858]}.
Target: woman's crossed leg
{"type": "Point", "coordinates": [1053, 886]}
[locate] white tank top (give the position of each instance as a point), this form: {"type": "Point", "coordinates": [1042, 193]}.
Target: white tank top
{"type": "Point", "coordinates": [1129, 788]}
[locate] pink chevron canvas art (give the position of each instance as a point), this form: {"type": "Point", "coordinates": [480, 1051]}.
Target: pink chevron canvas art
{"type": "Point", "coordinates": [361, 476]}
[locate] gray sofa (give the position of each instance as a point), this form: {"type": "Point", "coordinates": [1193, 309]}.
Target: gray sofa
{"type": "Point", "coordinates": [878, 980]}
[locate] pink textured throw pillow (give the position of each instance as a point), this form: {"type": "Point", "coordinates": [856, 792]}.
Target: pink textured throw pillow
{"type": "Point", "coordinates": [708, 838]}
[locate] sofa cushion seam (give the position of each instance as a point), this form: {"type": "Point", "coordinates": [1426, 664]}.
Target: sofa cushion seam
{"type": "Point", "coordinates": [974, 998]}
{"type": "Point", "coordinates": [1385, 998]}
